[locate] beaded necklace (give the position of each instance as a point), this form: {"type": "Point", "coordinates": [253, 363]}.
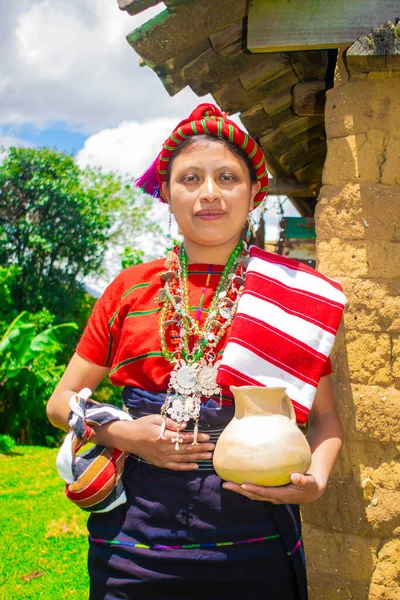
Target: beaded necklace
{"type": "Point", "coordinates": [189, 346]}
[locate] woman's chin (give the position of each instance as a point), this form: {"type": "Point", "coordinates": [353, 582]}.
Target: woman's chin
{"type": "Point", "coordinates": [210, 239]}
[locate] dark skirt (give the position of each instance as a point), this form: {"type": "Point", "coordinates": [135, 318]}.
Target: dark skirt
{"type": "Point", "coordinates": [181, 535]}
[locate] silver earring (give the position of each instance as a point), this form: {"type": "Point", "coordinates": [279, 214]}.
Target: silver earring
{"type": "Point", "coordinates": [249, 228]}
{"type": "Point", "coordinates": [168, 236]}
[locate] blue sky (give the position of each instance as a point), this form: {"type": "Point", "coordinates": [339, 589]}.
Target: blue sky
{"type": "Point", "coordinates": [58, 135]}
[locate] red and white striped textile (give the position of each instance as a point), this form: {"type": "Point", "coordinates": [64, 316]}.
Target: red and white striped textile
{"type": "Point", "coordinates": [284, 328]}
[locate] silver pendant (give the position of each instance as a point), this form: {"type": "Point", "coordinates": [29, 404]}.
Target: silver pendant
{"type": "Point", "coordinates": [184, 378]}
{"type": "Point", "coordinates": [168, 275]}
{"type": "Point", "coordinates": [182, 408]}
{"type": "Point", "coordinates": [225, 312]}
{"type": "Point", "coordinates": [239, 280]}
{"type": "Point", "coordinates": [207, 381]}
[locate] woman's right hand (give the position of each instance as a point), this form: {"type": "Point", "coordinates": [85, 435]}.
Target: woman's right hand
{"type": "Point", "coordinates": [141, 437]}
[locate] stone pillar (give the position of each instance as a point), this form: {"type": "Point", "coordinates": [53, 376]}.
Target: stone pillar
{"type": "Point", "coordinates": [352, 535]}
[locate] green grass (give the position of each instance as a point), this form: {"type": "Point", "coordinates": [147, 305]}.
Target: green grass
{"type": "Point", "coordinates": [43, 540]}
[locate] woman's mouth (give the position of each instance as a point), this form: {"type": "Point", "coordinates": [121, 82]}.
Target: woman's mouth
{"type": "Point", "coordinates": [210, 215]}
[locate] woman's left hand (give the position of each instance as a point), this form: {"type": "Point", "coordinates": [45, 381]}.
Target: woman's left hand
{"type": "Point", "coordinates": [303, 489]}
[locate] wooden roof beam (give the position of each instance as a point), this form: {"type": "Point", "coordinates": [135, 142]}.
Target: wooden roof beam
{"type": "Point", "coordinates": [134, 7]}
{"type": "Point", "coordinates": [378, 51]}
{"type": "Point", "coordinates": [231, 40]}
{"type": "Point", "coordinates": [168, 35]}
{"type": "Point", "coordinates": [284, 25]}
{"type": "Point", "coordinates": [289, 187]}
{"type": "Point", "coordinates": [309, 98]}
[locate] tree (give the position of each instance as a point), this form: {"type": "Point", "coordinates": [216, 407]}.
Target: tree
{"type": "Point", "coordinates": [56, 222]}
{"type": "Point", "coordinates": [8, 312]}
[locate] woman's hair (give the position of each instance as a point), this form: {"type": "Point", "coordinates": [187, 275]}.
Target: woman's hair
{"type": "Point", "coordinates": [205, 140]}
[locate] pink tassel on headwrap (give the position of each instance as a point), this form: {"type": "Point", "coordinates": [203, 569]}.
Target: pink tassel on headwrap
{"type": "Point", "coordinates": [148, 183]}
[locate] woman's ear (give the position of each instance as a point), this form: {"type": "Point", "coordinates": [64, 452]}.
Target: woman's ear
{"type": "Point", "coordinates": [255, 188]}
{"type": "Point", "coordinates": [165, 193]}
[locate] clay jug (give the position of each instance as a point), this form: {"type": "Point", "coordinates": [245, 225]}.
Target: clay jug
{"type": "Point", "coordinates": [262, 444]}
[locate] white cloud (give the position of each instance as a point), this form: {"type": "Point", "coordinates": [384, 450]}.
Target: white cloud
{"type": "Point", "coordinates": [128, 148]}
{"type": "Point", "coordinates": [69, 61]}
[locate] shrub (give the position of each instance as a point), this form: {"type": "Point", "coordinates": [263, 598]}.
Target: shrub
{"type": "Point", "coordinates": [7, 444]}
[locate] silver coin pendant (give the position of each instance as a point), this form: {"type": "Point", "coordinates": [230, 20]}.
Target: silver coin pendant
{"type": "Point", "coordinates": [186, 378]}
{"type": "Point", "coordinates": [207, 378]}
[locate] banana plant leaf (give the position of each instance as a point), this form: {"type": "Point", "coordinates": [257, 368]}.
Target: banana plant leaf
{"type": "Point", "coordinates": [49, 339]}
{"type": "Point", "coordinates": [18, 337]}
{"type": "Point", "coordinates": [19, 346]}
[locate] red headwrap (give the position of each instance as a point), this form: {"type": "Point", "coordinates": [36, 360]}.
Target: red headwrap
{"type": "Point", "coordinates": [206, 119]}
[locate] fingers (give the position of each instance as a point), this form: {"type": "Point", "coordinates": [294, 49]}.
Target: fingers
{"type": "Point", "coordinates": [176, 466]}
{"type": "Point", "coordinates": [187, 438]}
{"type": "Point", "coordinates": [203, 447]}
{"type": "Point", "coordinates": [169, 423]}
{"type": "Point", "coordinates": [182, 457]}
{"type": "Point", "coordinates": [185, 443]}
{"type": "Point", "coordinates": [189, 453]}
{"type": "Point", "coordinates": [160, 450]}
{"type": "Point", "coordinates": [304, 491]}
{"type": "Point", "coordinates": [235, 487]}
{"type": "Point", "coordinates": [286, 494]}
{"type": "Point", "coordinates": [302, 481]}
{"type": "Point", "coordinates": [186, 455]}
{"type": "Point", "coordinates": [173, 425]}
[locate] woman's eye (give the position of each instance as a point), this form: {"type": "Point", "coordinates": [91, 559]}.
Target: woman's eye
{"type": "Point", "coordinates": [189, 178]}
{"type": "Point", "coordinates": [228, 177]}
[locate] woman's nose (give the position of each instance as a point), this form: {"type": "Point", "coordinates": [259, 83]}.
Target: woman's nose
{"type": "Point", "coordinates": [210, 190]}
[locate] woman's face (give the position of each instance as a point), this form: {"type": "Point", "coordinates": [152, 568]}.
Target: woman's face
{"type": "Point", "coordinates": [210, 194]}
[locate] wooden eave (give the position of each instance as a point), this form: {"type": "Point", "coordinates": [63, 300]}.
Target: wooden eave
{"type": "Point", "coordinates": [280, 95]}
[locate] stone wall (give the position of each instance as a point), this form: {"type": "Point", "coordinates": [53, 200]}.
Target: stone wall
{"type": "Point", "coordinates": [352, 534]}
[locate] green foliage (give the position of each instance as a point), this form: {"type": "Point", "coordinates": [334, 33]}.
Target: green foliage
{"type": "Point", "coordinates": [8, 311]}
{"type": "Point", "coordinates": [29, 370]}
{"type": "Point", "coordinates": [56, 222]}
{"type": "Point", "coordinates": [108, 393]}
{"type": "Point", "coordinates": [51, 227]}
{"type": "Point", "coordinates": [43, 550]}
{"type": "Point", "coordinates": [174, 242]}
{"type": "Point", "coordinates": [7, 444]}
{"type": "Point", "coordinates": [21, 348]}
{"type": "Point", "coordinates": [131, 257]}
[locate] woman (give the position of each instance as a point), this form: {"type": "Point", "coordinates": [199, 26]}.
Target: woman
{"type": "Point", "coordinates": [183, 533]}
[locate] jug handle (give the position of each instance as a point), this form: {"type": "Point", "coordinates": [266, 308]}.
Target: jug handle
{"type": "Point", "coordinates": [288, 409]}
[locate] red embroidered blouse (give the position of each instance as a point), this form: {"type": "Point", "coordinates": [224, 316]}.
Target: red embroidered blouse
{"type": "Point", "coordinates": [123, 330]}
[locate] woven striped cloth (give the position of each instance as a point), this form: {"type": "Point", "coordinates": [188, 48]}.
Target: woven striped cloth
{"type": "Point", "coordinates": [284, 329]}
{"type": "Point", "coordinates": [93, 478]}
